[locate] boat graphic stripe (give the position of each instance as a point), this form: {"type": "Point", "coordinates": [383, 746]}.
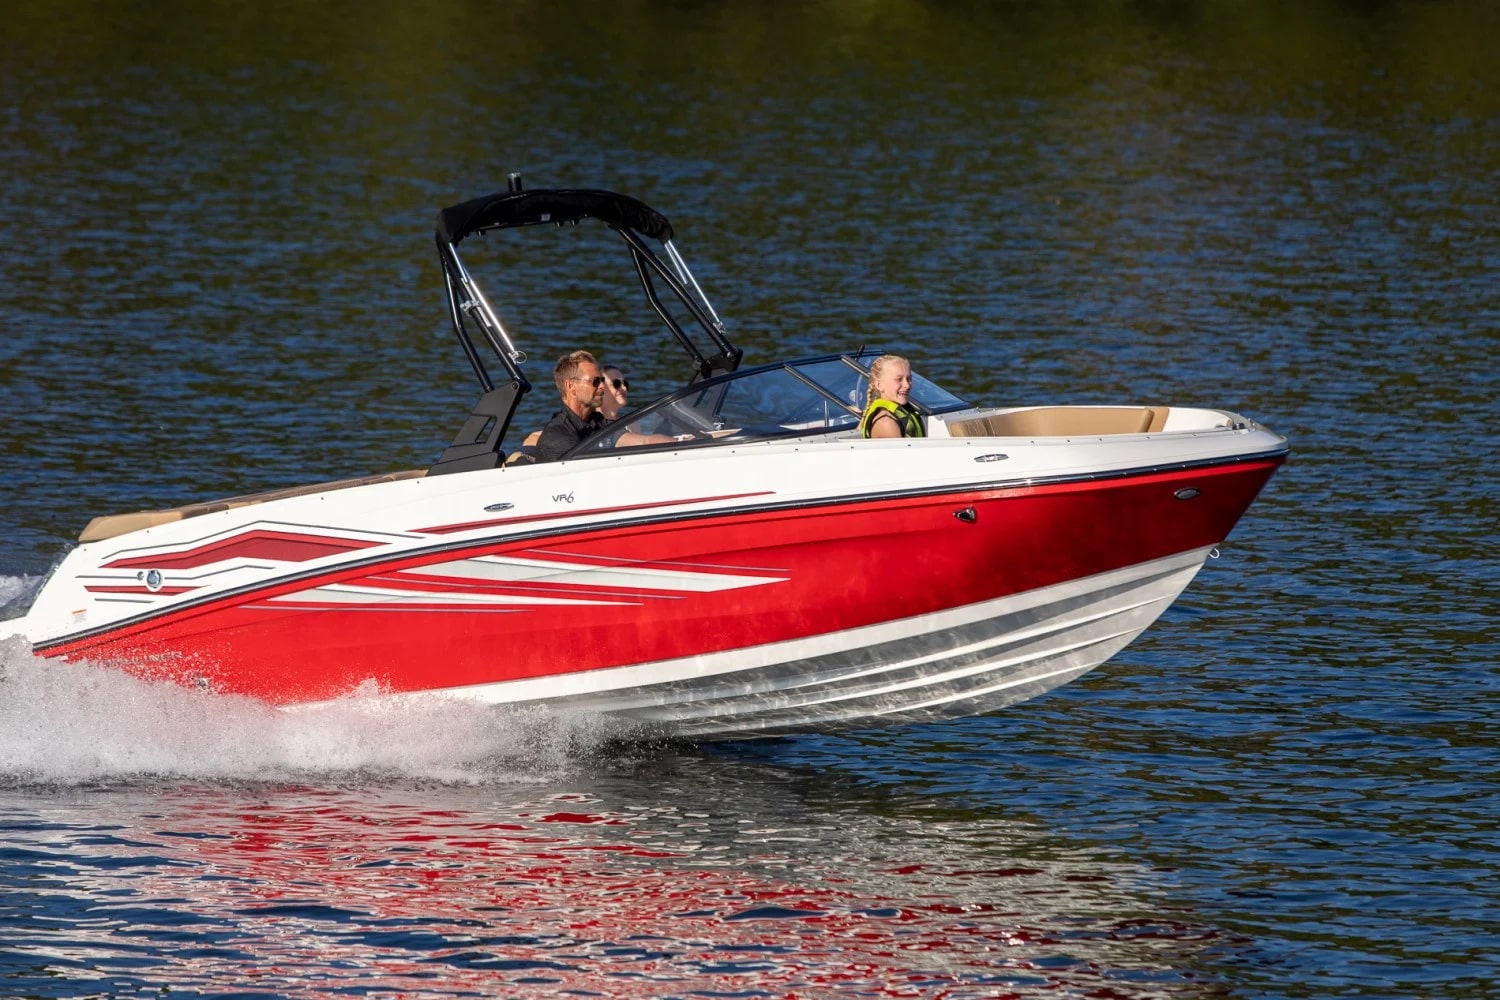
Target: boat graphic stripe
{"type": "Point", "coordinates": [402, 579]}
{"type": "Point", "coordinates": [279, 546]}
{"type": "Point", "coordinates": [448, 529]}
{"type": "Point", "coordinates": [344, 594]}
{"type": "Point", "coordinates": [670, 564]}
{"type": "Point", "coordinates": [508, 569]}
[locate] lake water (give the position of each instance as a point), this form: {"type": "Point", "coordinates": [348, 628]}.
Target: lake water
{"type": "Point", "coordinates": [218, 276]}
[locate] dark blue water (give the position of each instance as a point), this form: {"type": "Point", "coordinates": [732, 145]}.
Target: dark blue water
{"type": "Point", "coordinates": [217, 276]}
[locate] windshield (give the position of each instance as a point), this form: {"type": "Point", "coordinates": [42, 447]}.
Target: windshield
{"type": "Point", "coordinates": [816, 396]}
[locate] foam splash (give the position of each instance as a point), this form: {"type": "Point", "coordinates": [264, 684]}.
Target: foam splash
{"type": "Point", "coordinates": [76, 723]}
{"type": "Point", "coordinates": [16, 593]}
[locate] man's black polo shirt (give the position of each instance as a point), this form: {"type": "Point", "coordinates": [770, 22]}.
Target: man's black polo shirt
{"type": "Point", "coordinates": [564, 431]}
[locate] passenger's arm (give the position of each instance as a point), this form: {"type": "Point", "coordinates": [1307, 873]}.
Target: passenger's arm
{"type": "Point", "coordinates": [631, 439]}
{"type": "Point", "coordinates": [884, 426]}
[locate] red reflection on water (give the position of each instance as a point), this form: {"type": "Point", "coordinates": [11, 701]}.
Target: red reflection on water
{"type": "Point", "coordinates": [418, 904]}
{"type": "Point", "coordinates": [564, 817]}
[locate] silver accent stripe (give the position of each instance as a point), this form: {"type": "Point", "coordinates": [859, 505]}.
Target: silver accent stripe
{"type": "Point", "coordinates": [342, 593]}
{"type": "Point", "coordinates": [507, 569]}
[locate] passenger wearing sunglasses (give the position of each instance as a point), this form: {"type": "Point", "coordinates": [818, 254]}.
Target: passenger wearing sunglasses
{"type": "Point", "coordinates": [616, 393]}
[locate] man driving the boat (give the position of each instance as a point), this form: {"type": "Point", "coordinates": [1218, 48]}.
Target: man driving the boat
{"type": "Point", "coordinates": [580, 383]}
{"type": "Point", "coordinates": [887, 414]}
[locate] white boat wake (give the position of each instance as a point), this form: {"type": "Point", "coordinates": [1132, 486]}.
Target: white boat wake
{"type": "Point", "coordinates": [15, 593]}
{"type": "Point", "coordinates": [65, 723]}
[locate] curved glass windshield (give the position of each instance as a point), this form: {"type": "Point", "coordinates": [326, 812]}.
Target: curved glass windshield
{"type": "Point", "coordinates": [816, 396]}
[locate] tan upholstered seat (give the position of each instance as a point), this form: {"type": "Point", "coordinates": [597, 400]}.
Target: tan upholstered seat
{"type": "Point", "coordinates": [1064, 421]}
{"type": "Point", "coordinates": [527, 452]}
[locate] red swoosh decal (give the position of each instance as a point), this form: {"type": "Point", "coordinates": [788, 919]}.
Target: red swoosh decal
{"type": "Point", "coordinates": [280, 546]}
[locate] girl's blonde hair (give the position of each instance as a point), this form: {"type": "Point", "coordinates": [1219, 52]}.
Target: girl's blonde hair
{"type": "Point", "coordinates": [877, 369]}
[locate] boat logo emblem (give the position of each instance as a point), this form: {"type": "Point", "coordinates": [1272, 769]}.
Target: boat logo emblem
{"type": "Point", "coordinates": [562, 498]}
{"type": "Point", "coordinates": [1186, 493]}
{"type": "Point", "coordinates": [496, 508]}
{"type": "Point", "coordinates": [993, 456]}
{"type": "Point", "coordinates": [153, 580]}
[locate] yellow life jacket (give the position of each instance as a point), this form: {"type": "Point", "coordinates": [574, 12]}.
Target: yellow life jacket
{"type": "Point", "coordinates": [906, 419]}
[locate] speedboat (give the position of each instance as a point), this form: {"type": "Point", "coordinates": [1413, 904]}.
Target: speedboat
{"type": "Point", "coordinates": [766, 570]}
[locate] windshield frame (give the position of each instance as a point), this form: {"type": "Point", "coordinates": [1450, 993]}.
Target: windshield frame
{"type": "Point", "coordinates": [680, 412]}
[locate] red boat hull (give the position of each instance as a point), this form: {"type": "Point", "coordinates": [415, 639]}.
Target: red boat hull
{"type": "Point", "coordinates": [743, 578]}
